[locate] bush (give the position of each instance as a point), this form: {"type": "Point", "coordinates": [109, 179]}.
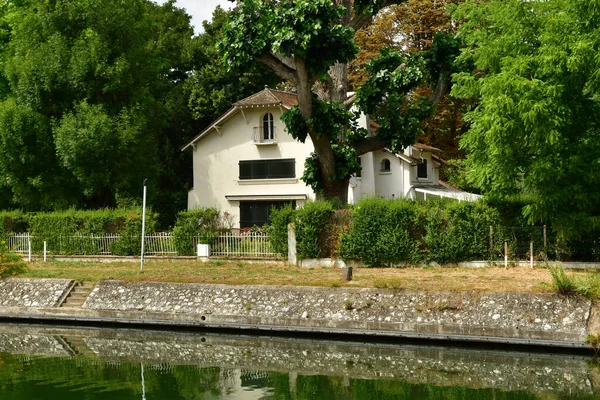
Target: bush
{"type": "Point", "coordinates": [458, 231]}
{"type": "Point", "coordinates": [311, 223]}
{"type": "Point", "coordinates": [10, 263]}
{"type": "Point", "coordinates": [61, 230]}
{"type": "Point", "coordinates": [278, 230]}
{"type": "Point", "coordinates": [382, 232]}
{"type": "Point", "coordinates": [204, 223]}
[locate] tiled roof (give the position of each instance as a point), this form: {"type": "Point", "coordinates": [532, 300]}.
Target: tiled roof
{"type": "Point", "coordinates": [269, 97]}
{"type": "Point", "coordinates": [425, 147]}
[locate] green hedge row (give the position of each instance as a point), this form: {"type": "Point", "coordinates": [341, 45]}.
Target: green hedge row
{"type": "Point", "coordinates": [381, 232]}
{"type": "Point", "coordinates": [203, 224]}
{"type": "Point", "coordinates": [61, 229]}
{"type": "Point", "coordinates": [387, 232]}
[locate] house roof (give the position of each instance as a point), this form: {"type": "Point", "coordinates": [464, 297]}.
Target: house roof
{"type": "Point", "coordinates": [268, 97]}
{"type": "Point", "coordinates": [264, 98]}
{"type": "Point", "coordinates": [426, 147]}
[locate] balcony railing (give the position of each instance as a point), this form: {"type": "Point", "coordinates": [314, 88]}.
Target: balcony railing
{"type": "Point", "coordinates": [262, 136]}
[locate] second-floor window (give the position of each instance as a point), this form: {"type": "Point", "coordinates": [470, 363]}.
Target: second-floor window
{"type": "Point", "coordinates": [268, 169]}
{"type": "Point", "coordinates": [268, 127]}
{"type": "Point", "coordinates": [422, 169]}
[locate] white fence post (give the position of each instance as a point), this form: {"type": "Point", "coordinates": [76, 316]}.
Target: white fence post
{"type": "Point", "coordinates": [505, 254]}
{"type": "Point", "coordinates": [29, 250]}
{"type": "Point", "coordinates": [531, 254]}
{"type": "Point", "coordinates": [44, 251]}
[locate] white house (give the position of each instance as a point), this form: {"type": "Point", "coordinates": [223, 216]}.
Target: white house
{"type": "Point", "coordinates": [245, 162]}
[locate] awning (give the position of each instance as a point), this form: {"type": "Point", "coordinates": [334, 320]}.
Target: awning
{"type": "Point", "coordinates": [257, 197]}
{"type": "Point", "coordinates": [440, 191]}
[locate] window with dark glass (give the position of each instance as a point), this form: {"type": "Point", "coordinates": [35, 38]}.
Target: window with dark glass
{"type": "Point", "coordinates": [268, 169]}
{"type": "Point", "coordinates": [359, 173]}
{"type": "Point", "coordinates": [259, 212]}
{"type": "Point", "coordinates": [422, 169]}
{"type": "Point", "coordinates": [385, 165]}
{"type": "Point", "coordinates": [268, 127]}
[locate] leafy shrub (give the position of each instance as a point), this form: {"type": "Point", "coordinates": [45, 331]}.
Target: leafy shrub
{"type": "Point", "coordinates": [311, 223]}
{"type": "Point", "coordinates": [382, 232]}
{"type": "Point", "coordinates": [458, 231]}
{"type": "Point", "coordinates": [563, 284]}
{"type": "Point", "coordinates": [130, 234]}
{"type": "Point", "coordinates": [10, 263]}
{"type": "Point", "coordinates": [278, 230]}
{"type": "Point", "coordinates": [204, 223]}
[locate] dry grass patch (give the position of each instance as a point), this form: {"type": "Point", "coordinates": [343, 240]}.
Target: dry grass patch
{"type": "Point", "coordinates": [242, 273]}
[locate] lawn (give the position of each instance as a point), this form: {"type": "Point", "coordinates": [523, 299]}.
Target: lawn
{"type": "Point", "coordinates": [519, 279]}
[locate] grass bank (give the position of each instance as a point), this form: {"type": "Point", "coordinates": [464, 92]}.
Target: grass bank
{"type": "Point", "coordinates": [490, 279]}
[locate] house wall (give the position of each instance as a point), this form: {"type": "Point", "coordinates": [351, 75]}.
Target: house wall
{"type": "Point", "coordinates": [387, 184]}
{"type": "Point", "coordinates": [216, 157]}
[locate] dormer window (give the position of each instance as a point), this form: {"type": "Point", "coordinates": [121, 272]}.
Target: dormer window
{"type": "Point", "coordinates": [267, 127]}
{"type": "Point", "coordinates": [422, 169]}
{"type": "Point", "coordinates": [385, 165]}
{"type": "Point", "coordinates": [265, 134]}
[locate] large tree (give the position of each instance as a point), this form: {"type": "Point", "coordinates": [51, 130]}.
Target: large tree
{"type": "Point", "coordinates": [85, 94]}
{"type": "Point", "coordinates": [309, 43]}
{"type": "Point", "coordinates": [412, 26]}
{"type": "Point", "coordinates": [536, 129]}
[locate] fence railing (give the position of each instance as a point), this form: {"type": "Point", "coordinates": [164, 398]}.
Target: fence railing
{"type": "Point", "coordinates": [250, 244]}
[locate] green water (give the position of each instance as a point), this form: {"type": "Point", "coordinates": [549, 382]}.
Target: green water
{"type": "Point", "coordinates": [65, 364]}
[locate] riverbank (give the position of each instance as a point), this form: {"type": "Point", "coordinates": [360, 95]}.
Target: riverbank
{"type": "Point", "coordinates": [537, 319]}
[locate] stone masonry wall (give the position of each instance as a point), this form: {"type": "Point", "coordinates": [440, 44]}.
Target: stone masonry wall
{"type": "Point", "coordinates": [32, 292]}
{"type": "Point", "coordinates": [517, 315]}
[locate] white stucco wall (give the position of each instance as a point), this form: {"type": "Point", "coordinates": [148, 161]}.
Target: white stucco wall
{"type": "Point", "coordinates": [216, 157]}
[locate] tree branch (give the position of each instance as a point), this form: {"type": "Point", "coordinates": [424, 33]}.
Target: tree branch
{"type": "Point", "coordinates": [370, 143]}
{"type": "Point", "coordinates": [441, 88]}
{"type": "Point", "coordinates": [350, 101]}
{"type": "Point", "coordinates": [282, 69]}
{"type": "Point", "coordinates": [360, 21]}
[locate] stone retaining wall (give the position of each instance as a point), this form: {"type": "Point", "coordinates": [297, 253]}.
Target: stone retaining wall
{"type": "Point", "coordinates": [506, 315]}
{"type": "Point", "coordinates": [32, 292]}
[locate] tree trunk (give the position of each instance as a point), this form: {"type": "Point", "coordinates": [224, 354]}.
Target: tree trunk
{"type": "Point", "coordinates": [336, 190]}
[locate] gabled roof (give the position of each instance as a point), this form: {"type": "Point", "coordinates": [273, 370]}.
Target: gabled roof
{"type": "Point", "coordinates": [269, 97]}
{"type": "Point", "coordinates": [426, 147]}
{"type": "Point", "coordinates": [264, 98]}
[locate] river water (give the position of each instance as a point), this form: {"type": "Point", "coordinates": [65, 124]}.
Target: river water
{"type": "Point", "coordinates": [99, 364]}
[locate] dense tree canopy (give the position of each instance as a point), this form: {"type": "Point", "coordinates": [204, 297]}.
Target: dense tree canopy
{"type": "Point", "coordinates": [535, 130]}
{"type": "Point", "coordinates": [82, 106]}
{"type": "Point", "coordinates": [309, 43]}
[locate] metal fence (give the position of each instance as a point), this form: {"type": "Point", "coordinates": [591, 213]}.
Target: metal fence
{"type": "Point", "coordinates": [244, 244]}
{"type": "Point", "coordinates": [248, 244]}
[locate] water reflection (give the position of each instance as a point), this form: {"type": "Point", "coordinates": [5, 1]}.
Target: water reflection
{"type": "Point", "coordinates": [61, 363]}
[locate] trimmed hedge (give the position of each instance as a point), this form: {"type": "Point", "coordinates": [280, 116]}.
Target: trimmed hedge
{"type": "Point", "coordinates": [386, 232]}
{"type": "Point", "coordinates": [60, 229]}
{"type": "Point", "coordinates": [204, 223]}
{"type": "Point", "coordinates": [382, 232]}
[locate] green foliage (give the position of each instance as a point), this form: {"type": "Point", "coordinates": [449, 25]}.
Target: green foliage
{"type": "Point", "coordinates": [386, 232]}
{"type": "Point", "coordinates": [63, 231]}
{"type": "Point", "coordinates": [10, 263]}
{"type": "Point", "coordinates": [308, 29]}
{"type": "Point", "coordinates": [457, 231]}
{"type": "Point", "coordinates": [536, 125]}
{"type": "Point", "coordinates": [563, 284]}
{"type": "Point", "coordinates": [278, 230]}
{"type": "Point", "coordinates": [311, 223]}
{"type": "Point", "coordinates": [212, 87]}
{"type": "Point", "coordinates": [382, 232]}
{"type": "Point", "coordinates": [204, 223]}
{"type": "Point", "coordinates": [90, 101]}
